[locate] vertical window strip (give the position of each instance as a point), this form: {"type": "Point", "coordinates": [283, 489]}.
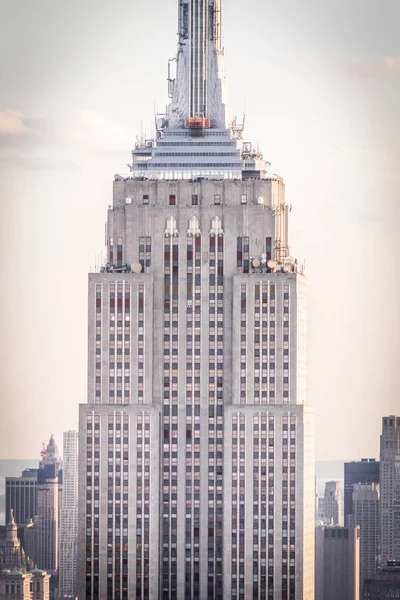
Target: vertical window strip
{"type": "Point", "coordinates": [285, 342]}
{"type": "Point", "coordinates": [272, 338]}
{"type": "Point", "coordinates": [270, 423]}
{"type": "Point", "coordinates": [257, 343]}
{"type": "Point", "coordinates": [243, 344]}
{"type": "Point", "coordinates": [89, 506]}
{"type": "Point", "coordinates": [286, 495]}
{"type": "Point", "coordinates": [170, 417]}
{"type": "Point", "coordinates": [125, 504]}
{"type": "Point", "coordinates": [292, 555]}
{"type": "Point", "coordinates": [215, 422]}
{"type": "Point", "coordinates": [98, 344]}
{"type": "Point", "coordinates": [140, 343]}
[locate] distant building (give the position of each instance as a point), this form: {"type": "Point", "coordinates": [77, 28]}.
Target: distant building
{"type": "Point", "coordinates": [365, 513]}
{"type": "Point", "coordinates": [337, 563]}
{"type": "Point", "coordinates": [17, 585]}
{"type": "Point", "coordinates": [365, 471]}
{"type": "Point", "coordinates": [21, 496]}
{"type": "Point", "coordinates": [18, 579]}
{"type": "Point", "coordinates": [390, 449]}
{"type": "Point", "coordinates": [30, 542]}
{"type": "Point", "coordinates": [69, 518]}
{"type": "Point", "coordinates": [385, 585]}
{"type": "Point", "coordinates": [333, 503]}
{"type": "Point", "coordinates": [12, 555]}
{"type": "Point", "coordinates": [49, 508]}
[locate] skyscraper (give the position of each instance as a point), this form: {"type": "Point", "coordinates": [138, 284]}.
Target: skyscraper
{"type": "Point", "coordinates": [390, 448]}
{"type": "Point", "coordinates": [365, 513]}
{"type": "Point", "coordinates": [49, 506]}
{"type": "Point", "coordinates": [333, 502]}
{"type": "Point", "coordinates": [366, 471]}
{"type": "Point", "coordinates": [337, 563]}
{"type": "Point", "coordinates": [69, 518]}
{"type": "Point", "coordinates": [197, 364]}
{"type": "Point", "coordinates": [21, 496]}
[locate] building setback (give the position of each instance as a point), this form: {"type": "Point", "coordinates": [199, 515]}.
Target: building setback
{"type": "Point", "coordinates": [364, 471]}
{"type": "Point", "coordinates": [337, 563]}
{"type": "Point", "coordinates": [196, 470]}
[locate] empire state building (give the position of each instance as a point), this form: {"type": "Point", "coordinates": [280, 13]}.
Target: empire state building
{"type": "Point", "coordinates": [196, 470]}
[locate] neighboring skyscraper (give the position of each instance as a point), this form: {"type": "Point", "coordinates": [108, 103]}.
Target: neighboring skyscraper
{"type": "Point", "coordinates": [69, 518]}
{"type": "Point", "coordinates": [365, 513]}
{"type": "Point", "coordinates": [366, 471]}
{"type": "Point", "coordinates": [385, 585]}
{"type": "Point", "coordinates": [333, 503]}
{"type": "Point", "coordinates": [197, 365]}
{"type": "Point", "coordinates": [21, 496]}
{"type": "Point", "coordinates": [49, 505]}
{"type": "Point", "coordinates": [390, 448]}
{"type": "Point", "coordinates": [337, 563]}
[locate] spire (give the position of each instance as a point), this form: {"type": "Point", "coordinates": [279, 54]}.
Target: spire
{"type": "Point", "coordinates": [197, 90]}
{"type": "Point", "coordinates": [12, 533]}
{"type": "Point", "coordinates": [11, 521]}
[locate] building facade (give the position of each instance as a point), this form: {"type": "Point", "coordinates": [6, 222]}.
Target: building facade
{"type": "Point", "coordinates": [69, 518]}
{"type": "Point", "coordinates": [365, 513]}
{"type": "Point", "coordinates": [333, 503]}
{"type": "Point", "coordinates": [18, 579]}
{"type": "Point", "coordinates": [337, 563]}
{"type": "Point", "coordinates": [49, 507]}
{"type": "Point", "coordinates": [385, 585]}
{"type": "Point", "coordinates": [389, 450]}
{"type": "Point", "coordinates": [29, 585]}
{"type": "Point", "coordinates": [21, 496]}
{"type": "Point", "coordinates": [12, 554]}
{"type": "Point", "coordinates": [364, 471]}
{"type": "Point", "coordinates": [196, 471]}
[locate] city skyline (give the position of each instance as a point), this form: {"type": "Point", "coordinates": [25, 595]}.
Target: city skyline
{"type": "Point", "coordinates": [49, 374]}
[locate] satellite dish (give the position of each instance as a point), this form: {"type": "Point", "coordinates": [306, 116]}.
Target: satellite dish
{"type": "Point", "coordinates": [263, 255]}
{"type": "Point", "coordinates": [136, 268]}
{"type": "Point", "coordinates": [260, 200]}
{"type": "Point", "coordinates": [128, 200]}
{"type": "Point", "coordinates": [263, 261]}
{"type": "Point", "coordinates": [160, 123]}
{"type": "Point", "coordinates": [256, 263]}
{"type": "Point", "coordinates": [272, 264]}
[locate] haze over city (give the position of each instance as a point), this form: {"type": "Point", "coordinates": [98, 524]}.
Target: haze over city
{"type": "Point", "coordinates": [319, 82]}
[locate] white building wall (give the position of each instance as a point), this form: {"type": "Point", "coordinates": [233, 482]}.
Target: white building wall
{"type": "Point", "coordinates": [69, 518]}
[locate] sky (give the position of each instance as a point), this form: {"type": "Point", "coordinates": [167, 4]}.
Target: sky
{"type": "Point", "coordinates": [319, 81]}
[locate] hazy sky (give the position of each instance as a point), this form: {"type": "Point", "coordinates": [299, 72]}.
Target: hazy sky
{"type": "Point", "coordinates": [320, 82]}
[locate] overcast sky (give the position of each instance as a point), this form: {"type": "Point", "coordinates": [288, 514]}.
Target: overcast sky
{"type": "Point", "coordinates": [320, 83]}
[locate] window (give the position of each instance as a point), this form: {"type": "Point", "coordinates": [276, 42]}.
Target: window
{"type": "Point", "coordinates": [145, 198]}
{"type": "Point", "coordinates": [217, 199]}
{"type": "Point", "coordinates": [172, 200]}
{"type": "Point", "coordinates": [243, 199]}
{"type": "Point", "coordinates": [195, 200]}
